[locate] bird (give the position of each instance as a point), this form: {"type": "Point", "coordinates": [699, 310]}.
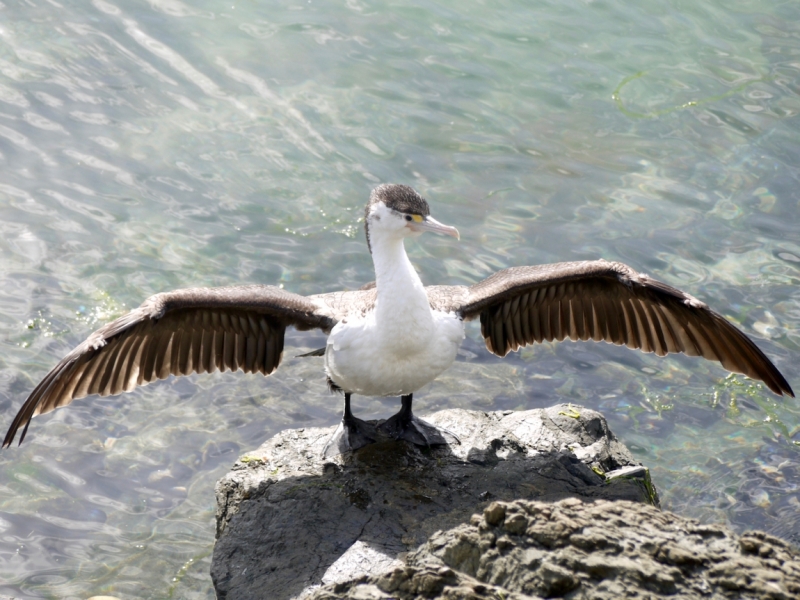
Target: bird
{"type": "Point", "coordinates": [394, 336]}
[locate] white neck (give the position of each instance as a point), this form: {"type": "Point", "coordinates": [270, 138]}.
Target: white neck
{"type": "Point", "coordinates": [402, 301]}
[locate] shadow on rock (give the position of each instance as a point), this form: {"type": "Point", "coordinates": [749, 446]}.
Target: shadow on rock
{"type": "Point", "coordinates": [289, 520]}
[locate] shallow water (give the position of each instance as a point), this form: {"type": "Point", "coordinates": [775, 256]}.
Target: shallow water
{"type": "Point", "coordinates": [146, 146]}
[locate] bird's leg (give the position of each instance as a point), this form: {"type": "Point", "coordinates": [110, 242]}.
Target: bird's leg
{"type": "Point", "coordinates": [405, 426]}
{"type": "Point", "coordinates": [351, 434]}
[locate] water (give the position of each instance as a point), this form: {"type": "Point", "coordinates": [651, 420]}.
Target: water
{"type": "Point", "coordinates": [146, 146]}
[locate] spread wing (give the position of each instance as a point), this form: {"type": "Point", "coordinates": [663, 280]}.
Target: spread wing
{"type": "Point", "coordinates": [199, 330]}
{"type": "Point", "coordinates": [607, 301]}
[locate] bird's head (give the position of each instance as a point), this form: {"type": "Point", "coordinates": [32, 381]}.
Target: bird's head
{"type": "Point", "coordinates": [398, 211]}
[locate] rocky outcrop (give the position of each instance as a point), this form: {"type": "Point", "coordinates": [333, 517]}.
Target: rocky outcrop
{"type": "Point", "coordinates": [596, 550]}
{"type": "Point", "coordinates": [289, 520]}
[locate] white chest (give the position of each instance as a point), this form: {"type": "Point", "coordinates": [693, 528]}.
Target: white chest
{"type": "Point", "coordinates": [394, 358]}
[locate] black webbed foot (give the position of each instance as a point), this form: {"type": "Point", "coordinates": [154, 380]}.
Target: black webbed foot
{"type": "Point", "coordinates": [350, 435]}
{"type": "Point", "coordinates": [405, 426]}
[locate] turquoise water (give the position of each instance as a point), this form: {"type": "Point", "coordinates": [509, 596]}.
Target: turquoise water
{"type": "Point", "coordinates": [146, 146]}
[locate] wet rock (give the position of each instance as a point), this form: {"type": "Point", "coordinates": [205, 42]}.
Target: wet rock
{"type": "Point", "coordinates": [597, 550]}
{"type": "Point", "coordinates": [289, 520]}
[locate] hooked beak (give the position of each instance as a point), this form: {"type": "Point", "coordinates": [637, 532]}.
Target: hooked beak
{"type": "Point", "coordinates": [430, 224]}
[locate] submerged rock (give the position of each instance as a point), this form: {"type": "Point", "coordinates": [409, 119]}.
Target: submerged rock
{"type": "Point", "coordinates": [584, 551]}
{"type": "Point", "coordinates": [289, 520]}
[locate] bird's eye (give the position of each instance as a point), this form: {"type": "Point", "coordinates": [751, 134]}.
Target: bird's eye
{"type": "Point", "coordinates": [409, 218]}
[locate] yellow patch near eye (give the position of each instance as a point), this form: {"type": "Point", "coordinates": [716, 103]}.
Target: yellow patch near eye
{"type": "Point", "coordinates": [417, 218]}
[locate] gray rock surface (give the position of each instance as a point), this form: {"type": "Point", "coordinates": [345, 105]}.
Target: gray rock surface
{"type": "Point", "coordinates": [596, 550]}
{"type": "Point", "coordinates": [289, 520]}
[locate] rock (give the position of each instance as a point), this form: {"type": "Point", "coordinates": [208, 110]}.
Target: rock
{"type": "Point", "coordinates": [289, 520]}
{"type": "Point", "coordinates": [594, 550]}
{"type": "Point", "coordinates": [413, 583]}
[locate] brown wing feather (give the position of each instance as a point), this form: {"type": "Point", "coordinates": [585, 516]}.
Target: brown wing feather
{"type": "Point", "coordinates": [606, 301]}
{"type": "Point", "coordinates": [176, 333]}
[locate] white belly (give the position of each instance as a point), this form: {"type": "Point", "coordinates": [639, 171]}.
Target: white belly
{"type": "Point", "coordinates": [362, 361]}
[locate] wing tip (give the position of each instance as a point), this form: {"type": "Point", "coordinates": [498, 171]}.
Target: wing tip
{"type": "Point", "coordinates": [12, 433]}
{"type": "Point", "coordinates": [782, 387]}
